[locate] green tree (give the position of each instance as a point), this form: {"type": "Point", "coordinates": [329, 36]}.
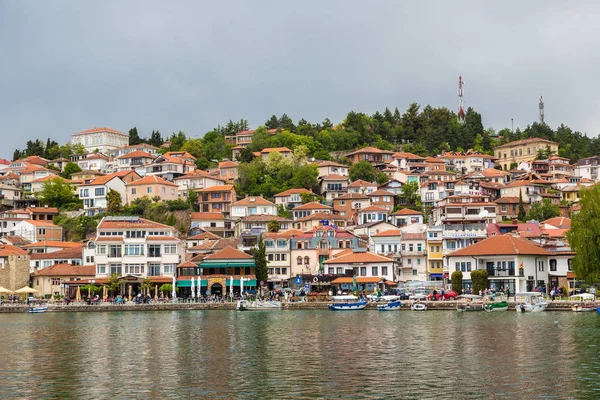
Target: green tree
{"type": "Point", "coordinates": [134, 137]}
{"type": "Point", "coordinates": [480, 280]}
{"type": "Point", "coordinates": [156, 139]}
{"type": "Point", "coordinates": [166, 289]}
{"type": "Point", "coordinates": [147, 286]}
{"type": "Point", "coordinates": [584, 236]}
{"type": "Point", "coordinates": [410, 196]}
{"type": "Point", "coordinates": [522, 215]}
{"type": "Point", "coordinates": [363, 170]}
{"type": "Point", "coordinates": [381, 178]}
{"type": "Point", "coordinates": [192, 199]}
{"type": "Point", "coordinates": [457, 278]}
{"type": "Point", "coordinates": [260, 261]}
{"type": "Point", "coordinates": [58, 193]}
{"type": "Point", "coordinates": [272, 123]}
{"type": "Point", "coordinates": [245, 155]}
{"type": "Point", "coordinates": [273, 226]}
{"type": "Point", "coordinates": [284, 212]}
{"type": "Point", "coordinates": [113, 284]}
{"type": "Point", "coordinates": [114, 202]}
{"type": "Point", "coordinates": [543, 211]}
{"type": "Point", "coordinates": [70, 169]}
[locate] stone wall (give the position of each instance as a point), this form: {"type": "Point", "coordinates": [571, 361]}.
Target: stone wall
{"type": "Point", "coordinates": [14, 273]}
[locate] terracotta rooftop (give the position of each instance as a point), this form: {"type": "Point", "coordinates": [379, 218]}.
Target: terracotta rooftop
{"type": "Point", "coordinates": [136, 154]}
{"type": "Point", "coordinates": [524, 141]}
{"type": "Point", "coordinates": [313, 205]}
{"type": "Point", "coordinates": [207, 216]}
{"type": "Point", "coordinates": [411, 156]}
{"type": "Point", "coordinates": [391, 232]}
{"type": "Point", "coordinates": [228, 164]}
{"type": "Point", "coordinates": [97, 130]}
{"type": "Point", "coordinates": [151, 180]}
{"type": "Point", "coordinates": [72, 252]}
{"type": "Point", "coordinates": [17, 240]}
{"type": "Point", "coordinates": [229, 253]}
{"type": "Point", "coordinates": [278, 149]}
{"type": "Point", "coordinates": [361, 183]}
{"type": "Point", "coordinates": [351, 196]}
{"type": "Point", "coordinates": [222, 188]}
{"type": "Point", "coordinates": [381, 192]}
{"type": "Point", "coordinates": [364, 257]}
{"type": "Point", "coordinates": [502, 245]}
{"type": "Point", "coordinates": [322, 215]}
{"type": "Point", "coordinates": [559, 222]}
{"type": "Point", "coordinates": [131, 223]}
{"type": "Point", "coordinates": [373, 208]}
{"type": "Point", "coordinates": [264, 218]}
{"type": "Point", "coordinates": [292, 191]}
{"type": "Point", "coordinates": [67, 270]}
{"type": "Point", "coordinates": [370, 150]}
{"type": "Point", "coordinates": [407, 211]}
{"type": "Point", "coordinates": [52, 243]}
{"type": "Point", "coordinates": [335, 177]}
{"type": "Point", "coordinates": [7, 250]}
{"type": "Point", "coordinates": [205, 236]}
{"type": "Point", "coordinates": [252, 201]}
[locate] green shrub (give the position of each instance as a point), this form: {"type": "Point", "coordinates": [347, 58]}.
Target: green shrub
{"type": "Point", "coordinates": [457, 281]}
{"type": "Point", "coordinates": [480, 280]}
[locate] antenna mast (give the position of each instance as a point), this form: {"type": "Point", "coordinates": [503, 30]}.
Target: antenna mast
{"type": "Point", "coordinates": [461, 108]}
{"type": "Point", "coordinates": [541, 110]}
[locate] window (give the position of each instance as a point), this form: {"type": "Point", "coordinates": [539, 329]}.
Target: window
{"type": "Point", "coordinates": [463, 266]}
{"type": "Point", "coordinates": [419, 247]}
{"type": "Point", "coordinates": [154, 250]}
{"type": "Point", "coordinates": [384, 271]}
{"type": "Point", "coordinates": [99, 191]}
{"type": "Point", "coordinates": [134, 249]}
{"type": "Point", "coordinates": [281, 243]}
{"type": "Point", "coordinates": [468, 266]}
{"type": "Point", "coordinates": [299, 260]}
{"type": "Point", "coordinates": [164, 190]}
{"type": "Point", "coordinates": [149, 190]}
{"type": "Point", "coordinates": [331, 270]}
{"type": "Point", "coordinates": [114, 251]}
{"type": "Point", "coordinates": [541, 266]}
{"type": "Point", "coordinates": [306, 260]}
{"type": "Point", "coordinates": [133, 191]}
{"type": "Point", "coordinates": [41, 231]}
{"type": "Point", "coordinates": [170, 249]}
{"type": "Point", "coordinates": [115, 269]}
{"type": "Point", "coordinates": [418, 261]}
{"type": "Point", "coordinates": [270, 257]}
{"type": "Point", "coordinates": [457, 266]}
{"type": "Point", "coordinates": [100, 269]}
{"type": "Point", "coordinates": [414, 272]}
{"type": "Point", "coordinates": [363, 271]}
{"type": "Point", "coordinates": [552, 265]}
{"type": "Point", "coordinates": [374, 271]}
{"type": "Point", "coordinates": [101, 249]}
{"type": "Point", "coordinates": [168, 268]}
{"type": "Point", "coordinates": [437, 249]}
{"type": "Point", "coordinates": [569, 265]}
{"type": "Point", "coordinates": [153, 269]}
{"type": "Point", "coordinates": [135, 269]}
{"type": "Point", "coordinates": [411, 247]}
{"type": "Point", "coordinates": [268, 243]}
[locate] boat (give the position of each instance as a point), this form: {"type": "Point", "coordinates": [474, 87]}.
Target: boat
{"type": "Point", "coordinates": [391, 306]}
{"type": "Point", "coordinates": [472, 302]}
{"type": "Point", "coordinates": [247, 305]}
{"type": "Point", "coordinates": [530, 302]}
{"type": "Point", "coordinates": [347, 303]}
{"type": "Point", "coordinates": [38, 309]}
{"type": "Point", "coordinates": [418, 306]}
{"type": "Point", "coordinates": [586, 302]}
{"type": "Point", "coordinates": [496, 303]}
{"type": "Point", "coordinates": [583, 308]}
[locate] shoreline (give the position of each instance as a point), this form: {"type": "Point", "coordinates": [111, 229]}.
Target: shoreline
{"type": "Point", "coordinates": [557, 305]}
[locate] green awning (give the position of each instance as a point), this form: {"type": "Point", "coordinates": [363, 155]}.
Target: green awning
{"type": "Point", "coordinates": [188, 283]}
{"type": "Point", "coordinates": [236, 282]}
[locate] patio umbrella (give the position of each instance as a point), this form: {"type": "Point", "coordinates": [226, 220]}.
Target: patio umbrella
{"type": "Point", "coordinates": [4, 290]}
{"type": "Point", "coordinates": [78, 295]}
{"type": "Point", "coordinates": [242, 286]}
{"type": "Point", "coordinates": [173, 294]}
{"type": "Point", "coordinates": [193, 288]}
{"type": "Point", "coordinates": [129, 290]}
{"type": "Point", "coordinates": [231, 287]}
{"type": "Point", "coordinates": [26, 289]}
{"type": "Point", "coordinates": [155, 292]}
{"type": "Point", "coordinates": [199, 286]}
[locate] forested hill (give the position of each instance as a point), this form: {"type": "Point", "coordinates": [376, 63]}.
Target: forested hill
{"type": "Point", "coordinates": [421, 130]}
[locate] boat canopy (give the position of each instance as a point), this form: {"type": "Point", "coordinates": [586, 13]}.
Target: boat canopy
{"type": "Point", "coordinates": [583, 296]}
{"type": "Point", "coordinates": [469, 296]}
{"type": "Point", "coordinates": [345, 297]}
{"type": "Point", "coordinates": [531, 294]}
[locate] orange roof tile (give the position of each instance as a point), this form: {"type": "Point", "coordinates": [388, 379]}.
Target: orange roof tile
{"type": "Point", "coordinates": [278, 149]}
{"type": "Point", "coordinates": [391, 232]}
{"type": "Point", "coordinates": [151, 180]}
{"type": "Point", "coordinates": [52, 243]}
{"type": "Point", "coordinates": [228, 164]}
{"type": "Point", "coordinates": [354, 258]}
{"type": "Point", "coordinates": [335, 177]}
{"type": "Point", "coordinates": [136, 154]}
{"type": "Point", "coordinates": [207, 216]}
{"type": "Point", "coordinates": [229, 253]}
{"type": "Point", "coordinates": [292, 191]}
{"type": "Point", "coordinates": [69, 252]}
{"type": "Point", "coordinates": [407, 211]}
{"type": "Point", "coordinates": [67, 270]}
{"type": "Point", "coordinates": [372, 208]}
{"type": "Point", "coordinates": [222, 188]}
{"type": "Point", "coordinates": [501, 245]}
{"type": "Point", "coordinates": [313, 205]}
{"type": "Point", "coordinates": [206, 235]}
{"type": "Point", "coordinates": [381, 192]}
{"type": "Point", "coordinates": [7, 250]}
{"type": "Point", "coordinates": [559, 222]}
{"type": "Point", "coordinates": [97, 130]}
{"type": "Point", "coordinates": [253, 201]}
{"type": "Point", "coordinates": [132, 223]}
{"type": "Point", "coordinates": [360, 183]}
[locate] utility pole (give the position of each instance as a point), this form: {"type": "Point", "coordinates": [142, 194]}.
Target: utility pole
{"type": "Point", "coordinates": [461, 105]}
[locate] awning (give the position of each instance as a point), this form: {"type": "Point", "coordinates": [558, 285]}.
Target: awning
{"type": "Point", "coordinates": [436, 275]}
{"type": "Point", "coordinates": [236, 282]}
{"type": "Point", "coordinates": [188, 283]}
{"type": "Point", "coordinates": [571, 275]}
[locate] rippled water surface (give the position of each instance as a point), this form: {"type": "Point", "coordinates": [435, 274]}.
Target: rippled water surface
{"type": "Point", "coordinates": [300, 354]}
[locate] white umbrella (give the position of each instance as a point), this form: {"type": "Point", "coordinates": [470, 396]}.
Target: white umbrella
{"type": "Point", "coordinates": [242, 286]}
{"type": "Point", "coordinates": [193, 289]}
{"type": "Point", "coordinates": [199, 287]}
{"type": "Point", "coordinates": [173, 294]}
{"type": "Point", "coordinates": [231, 287]}
{"type": "Point", "coordinates": [26, 289]}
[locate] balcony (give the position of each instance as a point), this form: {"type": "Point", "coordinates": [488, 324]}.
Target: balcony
{"type": "Point", "coordinates": [414, 253]}
{"type": "Point", "coordinates": [509, 272]}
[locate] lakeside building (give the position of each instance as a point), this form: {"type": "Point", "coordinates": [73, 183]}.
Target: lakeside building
{"type": "Point", "coordinates": [14, 267]}
{"type": "Point", "coordinates": [511, 262]}
{"type": "Point", "coordinates": [362, 264]}
{"type": "Point", "coordinates": [55, 280]}
{"type": "Point", "coordinates": [102, 139]}
{"type": "Point", "coordinates": [279, 257]}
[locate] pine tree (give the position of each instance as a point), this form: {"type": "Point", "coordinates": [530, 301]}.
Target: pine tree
{"type": "Point", "coordinates": [522, 215]}
{"type": "Point", "coordinates": [260, 261]}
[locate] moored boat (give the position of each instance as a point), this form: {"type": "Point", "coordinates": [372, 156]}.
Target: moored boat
{"type": "Point", "coordinates": [391, 306]}
{"type": "Point", "coordinates": [530, 302]}
{"type": "Point", "coordinates": [347, 303]}
{"type": "Point", "coordinates": [470, 302]}
{"type": "Point", "coordinates": [583, 308]}
{"type": "Point", "coordinates": [246, 305]}
{"type": "Point", "coordinates": [418, 306]}
{"type": "Point", "coordinates": [38, 309]}
{"type": "Point", "coordinates": [496, 306]}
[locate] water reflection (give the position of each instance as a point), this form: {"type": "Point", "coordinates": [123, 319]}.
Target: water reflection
{"type": "Point", "coordinates": [299, 354]}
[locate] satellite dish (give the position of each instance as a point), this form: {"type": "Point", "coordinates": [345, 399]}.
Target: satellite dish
{"type": "Point", "coordinates": [483, 214]}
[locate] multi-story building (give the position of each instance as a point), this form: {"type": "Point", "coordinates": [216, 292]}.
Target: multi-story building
{"type": "Point", "coordinates": [332, 168]}
{"type": "Point", "coordinates": [36, 230]}
{"type": "Point", "coordinates": [279, 256]}
{"type": "Point", "coordinates": [171, 165]}
{"type": "Point", "coordinates": [315, 220]}
{"type": "Point", "coordinates": [371, 154]}
{"type": "Point", "coordinates": [218, 268]}
{"type": "Point", "coordinates": [69, 255]}
{"type": "Point", "coordinates": [349, 204]}
{"type": "Point", "coordinates": [290, 198]}
{"type": "Point", "coordinates": [151, 186]}
{"type": "Point", "coordinates": [143, 147]}
{"type": "Point", "coordinates": [560, 167]}
{"type": "Point", "coordinates": [228, 170]}
{"type": "Point", "coordinates": [102, 139]}
{"type": "Point", "coordinates": [467, 162]}
{"type": "Point", "coordinates": [195, 180]}
{"type": "Point", "coordinates": [382, 198]}
{"type": "Point", "coordinates": [307, 209]}
{"type": "Point", "coordinates": [413, 250]}
{"type": "Point", "coordinates": [371, 214]}
{"type": "Point", "coordinates": [135, 160]}
{"type": "Point", "coordinates": [252, 205]}
{"type": "Point", "coordinates": [362, 187]}
{"type": "Point", "coordinates": [435, 254]}
{"type": "Point", "coordinates": [333, 186]}
{"type": "Point", "coordinates": [216, 199]}
{"type": "Point", "coordinates": [387, 243]}
{"type": "Point", "coordinates": [532, 190]}
{"type": "Point", "coordinates": [93, 192]}
{"type": "Point", "coordinates": [362, 264]}
{"type": "Point", "coordinates": [588, 168]}
{"type": "Point", "coordinates": [134, 249]}
{"type": "Point", "coordinates": [511, 262]}
{"type": "Point", "coordinates": [250, 228]}
{"type": "Point", "coordinates": [406, 217]}
{"type": "Point", "coordinates": [522, 151]}
{"type": "Point", "coordinates": [408, 161]}
{"type": "Point", "coordinates": [284, 151]}
{"type": "Point", "coordinates": [94, 162]}
{"type": "Point", "coordinates": [55, 280]}
{"type": "Point", "coordinates": [312, 248]}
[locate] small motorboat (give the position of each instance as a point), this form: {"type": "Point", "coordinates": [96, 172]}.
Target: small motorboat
{"type": "Point", "coordinates": [471, 302]}
{"type": "Point", "coordinates": [530, 302]}
{"type": "Point", "coordinates": [391, 306]}
{"type": "Point", "coordinates": [583, 308]}
{"type": "Point", "coordinates": [38, 309]}
{"type": "Point", "coordinates": [496, 306]}
{"type": "Point", "coordinates": [418, 306]}
{"type": "Point", "coordinates": [347, 303]}
{"type": "Point", "coordinates": [246, 305]}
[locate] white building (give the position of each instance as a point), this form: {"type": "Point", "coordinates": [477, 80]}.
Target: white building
{"type": "Point", "coordinates": [252, 205]}
{"type": "Point", "coordinates": [103, 139]}
{"type": "Point", "coordinates": [137, 247]}
{"type": "Point", "coordinates": [362, 264]}
{"type": "Point", "coordinates": [93, 193]}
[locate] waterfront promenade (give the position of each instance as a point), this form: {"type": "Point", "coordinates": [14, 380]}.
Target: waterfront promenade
{"type": "Point", "coordinates": [557, 305]}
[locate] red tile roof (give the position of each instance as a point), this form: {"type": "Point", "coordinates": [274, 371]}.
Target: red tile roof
{"type": "Point", "coordinates": [151, 180]}
{"type": "Point", "coordinates": [253, 201]}
{"type": "Point", "coordinates": [503, 245]}
{"type": "Point", "coordinates": [222, 188]}
{"type": "Point", "coordinates": [292, 191]}
{"type": "Point", "coordinates": [67, 270]}
{"type": "Point", "coordinates": [373, 208]}
{"type": "Point", "coordinates": [207, 216]}
{"type": "Point", "coordinates": [364, 257]}
{"type": "Point", "coordinates": [407, 211]}
{"type": "Point", "coordinates": [525, 141]}
{"type": "Point", "coordinates": [52, 243]}
{"type": "Point", "coordinates": [313, 205]}
{"type": "Point", "coordinates": [74, 252]}
{"type": "Point", "coordinates": [205, 236]}
{"type": "Point", "coordinates": [132, 223]}
{"type": "Point", "coordinates": [278, 149]}
{"type": "Point", "coordinates": [335, 177]}
{"type": "Point", "coordinates": [228, 164]}
{"type": "Point", "coordinates": [7, 250]}
{"type": "Point", "coordinates": [559, 222]}
{"type": "Point", "coordinates": [391, 232]}
{"type": "Point", "coordinates": [229, 253]}
{"type": "Point", "coordinates": [381, 192]}
{"type": "Point", "coordinates": [361, 183]}
{"type": "Point", "coordinates": [136, 154]}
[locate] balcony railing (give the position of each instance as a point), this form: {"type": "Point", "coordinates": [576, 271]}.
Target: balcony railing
{"type": "Point", "coordinates": [505, 272]}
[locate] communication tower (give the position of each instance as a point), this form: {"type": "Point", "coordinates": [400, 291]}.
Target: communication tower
{"type": "Point", "coordinates": [541, 110]}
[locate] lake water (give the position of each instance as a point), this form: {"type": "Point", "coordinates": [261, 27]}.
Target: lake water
{"type": "Point", "coordinates": [300, 354]}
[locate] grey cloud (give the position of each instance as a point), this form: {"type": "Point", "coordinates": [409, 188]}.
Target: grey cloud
{"type": "Point", "coordinates": [68, 66]}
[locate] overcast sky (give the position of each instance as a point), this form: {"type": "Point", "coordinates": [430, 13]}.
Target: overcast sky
{"type": "Point", "coordinates": [67, 66]}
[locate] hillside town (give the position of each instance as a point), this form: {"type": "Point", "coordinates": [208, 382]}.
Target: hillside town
{"type": "Point", "coordinates": [430, 217]}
